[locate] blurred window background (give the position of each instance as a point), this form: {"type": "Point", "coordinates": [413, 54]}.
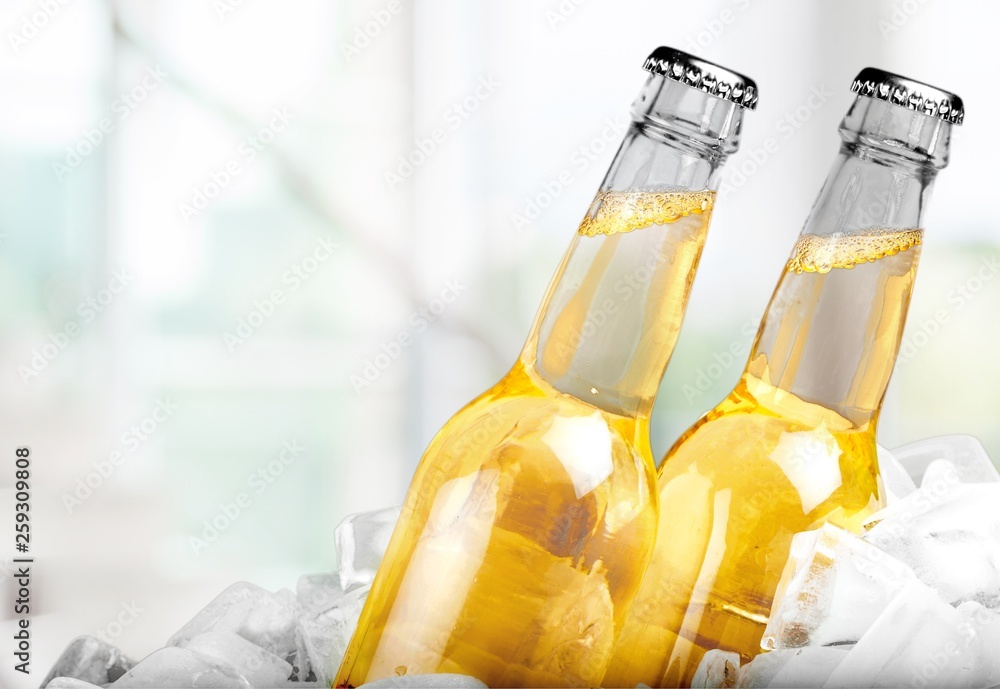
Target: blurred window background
{"type": "Point", "coordinates": [235, 228]}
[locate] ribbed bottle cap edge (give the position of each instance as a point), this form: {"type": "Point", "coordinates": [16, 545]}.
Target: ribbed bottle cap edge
{"type": "Point", "coordinates": [703, 75]}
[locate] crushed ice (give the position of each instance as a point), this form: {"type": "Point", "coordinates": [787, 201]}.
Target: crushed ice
{"type": "Point", "coordinates": [915, 601]}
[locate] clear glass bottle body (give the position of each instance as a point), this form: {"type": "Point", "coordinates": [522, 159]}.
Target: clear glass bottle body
{"type": "Point", "coordinates": [532, 514]}
{"type": "Point", "coordinates": [793, 446]}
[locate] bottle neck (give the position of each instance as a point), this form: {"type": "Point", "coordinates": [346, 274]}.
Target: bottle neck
{"type": "Point", "coordinates": [833, 329]}
{"type": "Point", "coordinates": [612, 314]}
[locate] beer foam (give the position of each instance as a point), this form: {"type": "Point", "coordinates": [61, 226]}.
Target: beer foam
{"type": "Point", "coordinates": [821, 253]}
{"type": "Point", "coordinates": [626, 211]}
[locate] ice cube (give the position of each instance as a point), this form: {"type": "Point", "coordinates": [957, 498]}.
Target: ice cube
{"type": "Point", "coordinates": [981, 628]}
{"type": "Point", "coordinates": [443, 681]}
{"type": "Point", "coordinates": [810, 666]}
{"type": "Point", "coordinates": [919, 640]}
{"type": "Point", "coordinates": [896, 482]}
{"type": "Point", "coordinates": [940, 481]}
{"type": "Point", "coordinates": [183, 669]}
{"type": "Point", "coordinates": [361, 542]}
{"type": "Point", "coordinates": [318, 592]}
{"type": "Point", "coordinates": [939, 472]}
{"type": "Point", "coordinates": [717, 669]}
{"type": "Point", "coordinates": [949, 534]}
{"type": "Point", "coordinates": [69, 683]}
{"type": "Point", "coordinates": [322, 636]}
{"type": "Point", "coordinates": [964, 451]}
{"type": "Point", "coordinates": [761, 670]}
{"type": "Point", "coordinates": [261, 617]}
{"type": "Point", "coordinates": [836, 592]}
{"type": "Point", "coordinates": [799, 553]}
{"type": "Point", "coordinates": [261, 668]}
{"type": "Point", "coordinates": [792, 667]}
{"type": "Point", "coordinates": [90, 660]}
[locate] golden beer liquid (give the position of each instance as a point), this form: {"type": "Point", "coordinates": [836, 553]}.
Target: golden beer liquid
{"type": "Point", "coordinates": [765, 464]}
{"type": "Point", "coordinates": [532, 514]}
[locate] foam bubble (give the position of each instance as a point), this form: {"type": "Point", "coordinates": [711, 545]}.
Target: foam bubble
{"type": "Point", "coordinates": [625, 211]}
{"type": "Point", "coordinates": [816, 253]}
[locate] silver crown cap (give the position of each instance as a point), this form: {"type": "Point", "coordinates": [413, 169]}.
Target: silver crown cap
{"type": "Point", "coordinates": [703, 75]}
{"type": "Point", "coordinates": [908, 93]}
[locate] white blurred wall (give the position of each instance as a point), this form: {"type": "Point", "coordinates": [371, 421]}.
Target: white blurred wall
{"type": "Point", "coordinates": [500, 97]}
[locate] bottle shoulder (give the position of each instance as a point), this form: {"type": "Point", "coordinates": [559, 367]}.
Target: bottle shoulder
{"type": "Point", "coordinates": [521, 428]}
{"type": "Point", "coordinates": [774, 451]}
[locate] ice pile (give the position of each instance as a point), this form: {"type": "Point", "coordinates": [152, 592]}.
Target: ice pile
{"type": "Point", "coordinates": [249, 637]}
{"type": "Point", "coordinates": [914, 602]}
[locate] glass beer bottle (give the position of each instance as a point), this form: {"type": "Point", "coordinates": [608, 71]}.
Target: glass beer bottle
{"type": "Point", "coordinates": [531, 517]}
{"type": "Point", "coordinates": [793, 445]}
